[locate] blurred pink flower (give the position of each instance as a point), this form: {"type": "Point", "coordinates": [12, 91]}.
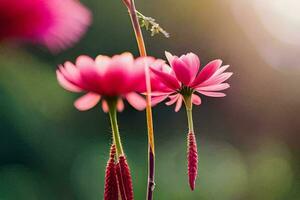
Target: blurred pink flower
{"type": "Point", "coordinates": [57, 24]}
{"type": "Point", "coordinates": [184, 75]}
{"type": "Point", "coordinates": [120, 76]}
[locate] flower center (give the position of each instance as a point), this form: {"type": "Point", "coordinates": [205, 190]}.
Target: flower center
{"type": "Point", "coordinates": [186, 91]}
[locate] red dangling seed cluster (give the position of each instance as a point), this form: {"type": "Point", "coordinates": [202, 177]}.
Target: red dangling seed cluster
{"type": "Point", "coordinates": [117, 178]}
{"type": "Point", "coordinates": [111, 186]}
{"type": "Point", "coordinates": [124, 179]}
{"type": "Point", "coordinates": [120, 182]}
{"type": "Point", "coordinates": [192, 156]}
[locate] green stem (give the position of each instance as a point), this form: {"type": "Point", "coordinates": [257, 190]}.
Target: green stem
{"type": "Point", "coordinates": [114, 125]}
{"type": "Point", "coordinates": [190, 120]}
{"type": "Point", "coordinates": [189, 112]}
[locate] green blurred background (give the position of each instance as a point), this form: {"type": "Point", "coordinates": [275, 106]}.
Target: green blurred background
{"type": "Point", "coordinates": [248, 141]}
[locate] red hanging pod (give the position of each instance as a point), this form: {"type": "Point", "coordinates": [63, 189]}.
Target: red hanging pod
{"type": "Point", "coordinates": [124, 179]}
{"type": "Point", "coordinates": [111, 185]}
{"type": "Point", "coordinates": [192, 156]}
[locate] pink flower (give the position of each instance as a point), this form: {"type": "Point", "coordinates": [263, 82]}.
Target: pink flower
{"type": "Point", "coordinates": [120, 76]}
{"type": "Point", "coordinates": [184, 78]}
{"type": "Point", "coordinates": [57, 24]}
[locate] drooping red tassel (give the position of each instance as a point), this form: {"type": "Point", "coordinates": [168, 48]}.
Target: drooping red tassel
{"type": "Point", "coordinates": [125, 170]}
{"type": "Point", "coordinates": [192, 156]}
{"type": "Point", "coordinates": [111, 185]}
{"type": "Point", "coordinates": [124, 179]}
{"type": "Point", "coordinates": [120, 182]}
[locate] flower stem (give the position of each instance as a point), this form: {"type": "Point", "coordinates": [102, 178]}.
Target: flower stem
{"type": "Point", "coordinates": [141, 45]}
{"type": "Point", "coordinates": [189, 112]}
{"type": "Point", "coordinates": [137, 28]}
{"type": "Point", "coordinates": [114, 125]}
{"type": "Point", "coordinates": [190, 120]}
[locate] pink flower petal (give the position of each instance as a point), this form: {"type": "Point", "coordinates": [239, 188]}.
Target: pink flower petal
{"type": "Point", "coordinates": [68, 71]}
{"type": "Point", "coordinates": [71, 70]}
{"type": "Point", "coordinates": [87, 101]}
{"type": "Point", "coordinates": [125, 57]}
{"type": "Point", "coordinates": [120, 105]}
{"type": "Point", "coordinates": [215, 75]}
{"type": "Point", "coordinates": [206, 72]}
{"type": "Point", "coordinates": [66, 28]}
{"type": "Point", "coordinates": [220, 70]}
{"type": "Point", "coordinates": [212, 94]}
{"type": "Point", "coordinates": [217, 87]}
{"type": "Point", "coordinates": [117, 80]}
{"type": "Point", "coordinates": [166, 79]}
{"type": "Point", "coordinates": [105, 107]}
{"type": "Point", "coordinates": [169, 57]}
{"type": "Point", "coordinates": [84, 61]}
{"type": "Point", "coordinates": [157, 99]}
{"type": "Point", "coordinates": [173, 99]}
{"type": "Point", "coordinates": [136, 101]}
{"type": "Point", "coordinates": [216, 79]}
{"type": "Point", "coordinates": [167, 69]}
{"type": "Point", "coordinates": [140, 65]}
{"type": "Point", "coordinates": [183, 73]}
{"type": "Point", "coordinates": [193, 63]}
{"type": "Point", "coordinates": [51, 23]}
{"type": "Point", "coordinates": [196, 99]}
{"type": "Point", "coordinates": [90, 79]}
{"type": "Point", "coordinates": [66, 84]}
{"type": "Point", "coordinates": [154, 94]}
{"type": "Point", "coordinates": [102, 63]}
{"type": "Point", "coordinates": [178, 104]}
{"type": "Point", "coordinates": [71, 74]}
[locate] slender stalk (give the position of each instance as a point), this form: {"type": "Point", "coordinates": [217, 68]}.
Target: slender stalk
{"type": "Point", "coordinates": [114, 126]}
{"type": "Point", "coordinates": [141, 45]}
{"type": "Point", "coordinates": [190, 120]}
{"type": "Point", "coordinates": [189, 112]}
{"type": "Point", "coordinates": [137, 28]}
{"type": "Point", "coordinates": [151, 172]}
